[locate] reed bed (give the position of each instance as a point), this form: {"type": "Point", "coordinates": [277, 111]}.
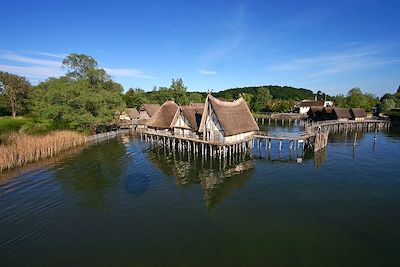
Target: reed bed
{"type": "Point", "coordinates": [22, 148]}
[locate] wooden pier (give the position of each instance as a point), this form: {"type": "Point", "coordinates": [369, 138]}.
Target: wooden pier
{"type": "Point", "coordinates": [314, 137]}
{"type": "Point", "coordinates": [281, 118]}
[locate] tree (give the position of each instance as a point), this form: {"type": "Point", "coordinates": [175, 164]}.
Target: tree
{"type": "Point", "coordinates": [179, 92]}
{"type": "Point", "coordinates": [84, 101]}
{"type": "Point", "coordinates": [248, 98]}
{"type": "Point", "coordinates": [164, 94]}
{"type": "Point", "coordinates": [81, 67]}
{"type": "Point", "coordinates": [388, 104]}
{"type": "Point", "coordinates": [261, 99]}
{"type": "Point", "coordinates": [135, 98]}
{"type": "Point", "coordinates": [195, 98]}
{"type": "Point", "coordinates": [15, 88]}
{"type": "Point", "coordinates": [340, 101]}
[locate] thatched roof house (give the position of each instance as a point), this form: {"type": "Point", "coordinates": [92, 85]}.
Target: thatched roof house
{"type": "Point", "coordinates": [128, 114]}
{"type": "Point", "coordinates": [315, 113]}
{"type": "Point", "coordinates": [165, 116]}
{"type": "Point", "coordinates": [132, 113]}
{"type": "Point", "coordinates": [193, 114]}
{"type": "Point", "coordinates": [358, 114]}
{"type": "Point", "coordinates": [227, 122]}
{"type": "Point", "coordinates": [305, 106]}
{"type": "Point", "coordinates": [148, 110]}
{"type": "Point", "coordinates": [317, 103]}
{"type": "Point", "coordinates": [342, 113]}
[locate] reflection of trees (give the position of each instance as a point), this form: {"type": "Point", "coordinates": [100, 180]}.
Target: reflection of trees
{"type": "Point", "coordinates": [217, 178]}
{"type": "Point", "coordinates": [92, 173]}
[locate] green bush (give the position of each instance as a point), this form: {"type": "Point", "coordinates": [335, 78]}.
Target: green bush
{"type": "Point", "coordinates": [35, 128]}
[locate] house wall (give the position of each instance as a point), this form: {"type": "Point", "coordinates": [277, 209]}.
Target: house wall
{"type": "Point", "coordinates": [238, 137]}
{"type": "Point", "coordinates": [213, 129]}
{"type": "Point", "coordinates": [342, 119]}
{"type": "Point", "coordinates": [304, 110]}
{"type": "Point", "coordinates": [182, 127]}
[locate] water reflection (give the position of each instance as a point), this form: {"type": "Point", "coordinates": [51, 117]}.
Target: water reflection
{"type": "Point", "coordinates": [93, 173]}
{"type": "Point", "coordinates": [217, 178]}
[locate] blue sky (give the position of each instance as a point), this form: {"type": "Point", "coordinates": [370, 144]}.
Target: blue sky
{"type": "Point", "coordinates": [330, 46]}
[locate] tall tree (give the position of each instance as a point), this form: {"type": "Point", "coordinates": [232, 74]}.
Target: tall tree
{"type": "Point", "coordinates": [179, 92]}
{"type": "Point", "coordinates": [15, 88]}
{"type": "Point", "coordinates": [86, 98]}
{"type": "Point", "coordinates": [82, 66]}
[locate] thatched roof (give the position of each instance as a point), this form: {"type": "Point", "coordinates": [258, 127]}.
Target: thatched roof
{"type": "Point", "coordinates": [151, 109]}
{"type": "Point", "coordinates": [358, 113]}
{"type": "Point", "coordinates": [342, 113]}
{"type": "Point", "coordinates": [193, 114]}
{"type": "Point", "coordinates": [318, 103]}
{"type": "Point", "coordinates": [165, 116]}
{"type": "Point", "coordinates": [235, 117]}
{"type": "Point", "coordinates": [132, 113]}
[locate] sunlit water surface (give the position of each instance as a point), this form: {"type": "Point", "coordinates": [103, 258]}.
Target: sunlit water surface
{"type": "Point", "coordinates": [128, 205]}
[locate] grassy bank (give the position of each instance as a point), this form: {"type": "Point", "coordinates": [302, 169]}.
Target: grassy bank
{"type": "Point", "coordinates": [21, 148]}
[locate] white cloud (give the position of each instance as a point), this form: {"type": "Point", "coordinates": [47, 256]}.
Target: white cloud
{"type": "Point", "coordinates": [208, 72]}
{"type": "Point", "coordinates": [55, 55]}
{"type": "Point", "coordinates": [29, 60]}
{"type": "Point", "coordinates": [38, 68]}
{"type": "Point", "coordinates": [33, 72]}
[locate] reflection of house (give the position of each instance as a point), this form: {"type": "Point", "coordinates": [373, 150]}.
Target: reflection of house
{"type": "Point", "coordinates": [358, 114]}
{"type": "Point", "coordinates": [227, 122]}
{"type": "Point", "coordinates": [163, 120]}
{"type": "Point", "coordinates": [188, 120]}
{"type": "Point", "coordinates": [217, 183]}
{"type": "Point", "coordinates": [342, 114]}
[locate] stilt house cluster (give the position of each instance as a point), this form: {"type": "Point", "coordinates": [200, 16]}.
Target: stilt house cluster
{"type": "Point", "coordinates": [215, 121]}
{"type": "Point", "coordinates": [340, 114]}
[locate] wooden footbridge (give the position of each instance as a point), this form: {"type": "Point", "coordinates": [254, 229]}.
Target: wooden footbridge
{"type": "Point", "coordinates": [314, 136]}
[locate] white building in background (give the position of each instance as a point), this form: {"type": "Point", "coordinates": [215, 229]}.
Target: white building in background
{"type": "Point", "coordinates": [305, 105]}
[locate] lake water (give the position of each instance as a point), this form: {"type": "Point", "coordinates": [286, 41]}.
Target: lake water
{"type": "Point", "coordinates": [117, 204]}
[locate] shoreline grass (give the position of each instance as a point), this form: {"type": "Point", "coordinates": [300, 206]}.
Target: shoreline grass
{"type": "Point", "coordinates": [22, 148]}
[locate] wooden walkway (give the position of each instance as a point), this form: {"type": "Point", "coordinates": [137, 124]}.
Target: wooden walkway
{"type": "Point", "coordinates": [315, 136]}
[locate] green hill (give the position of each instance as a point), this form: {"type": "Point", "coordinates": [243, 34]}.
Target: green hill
{"type": "Point", "coordinates": [277, 92]}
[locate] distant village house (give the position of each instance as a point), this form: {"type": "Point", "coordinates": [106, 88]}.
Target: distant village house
{"type": "Point", "coordinates": [358, 114]}
{"type": "Point", "coordinates": [305, 106]}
